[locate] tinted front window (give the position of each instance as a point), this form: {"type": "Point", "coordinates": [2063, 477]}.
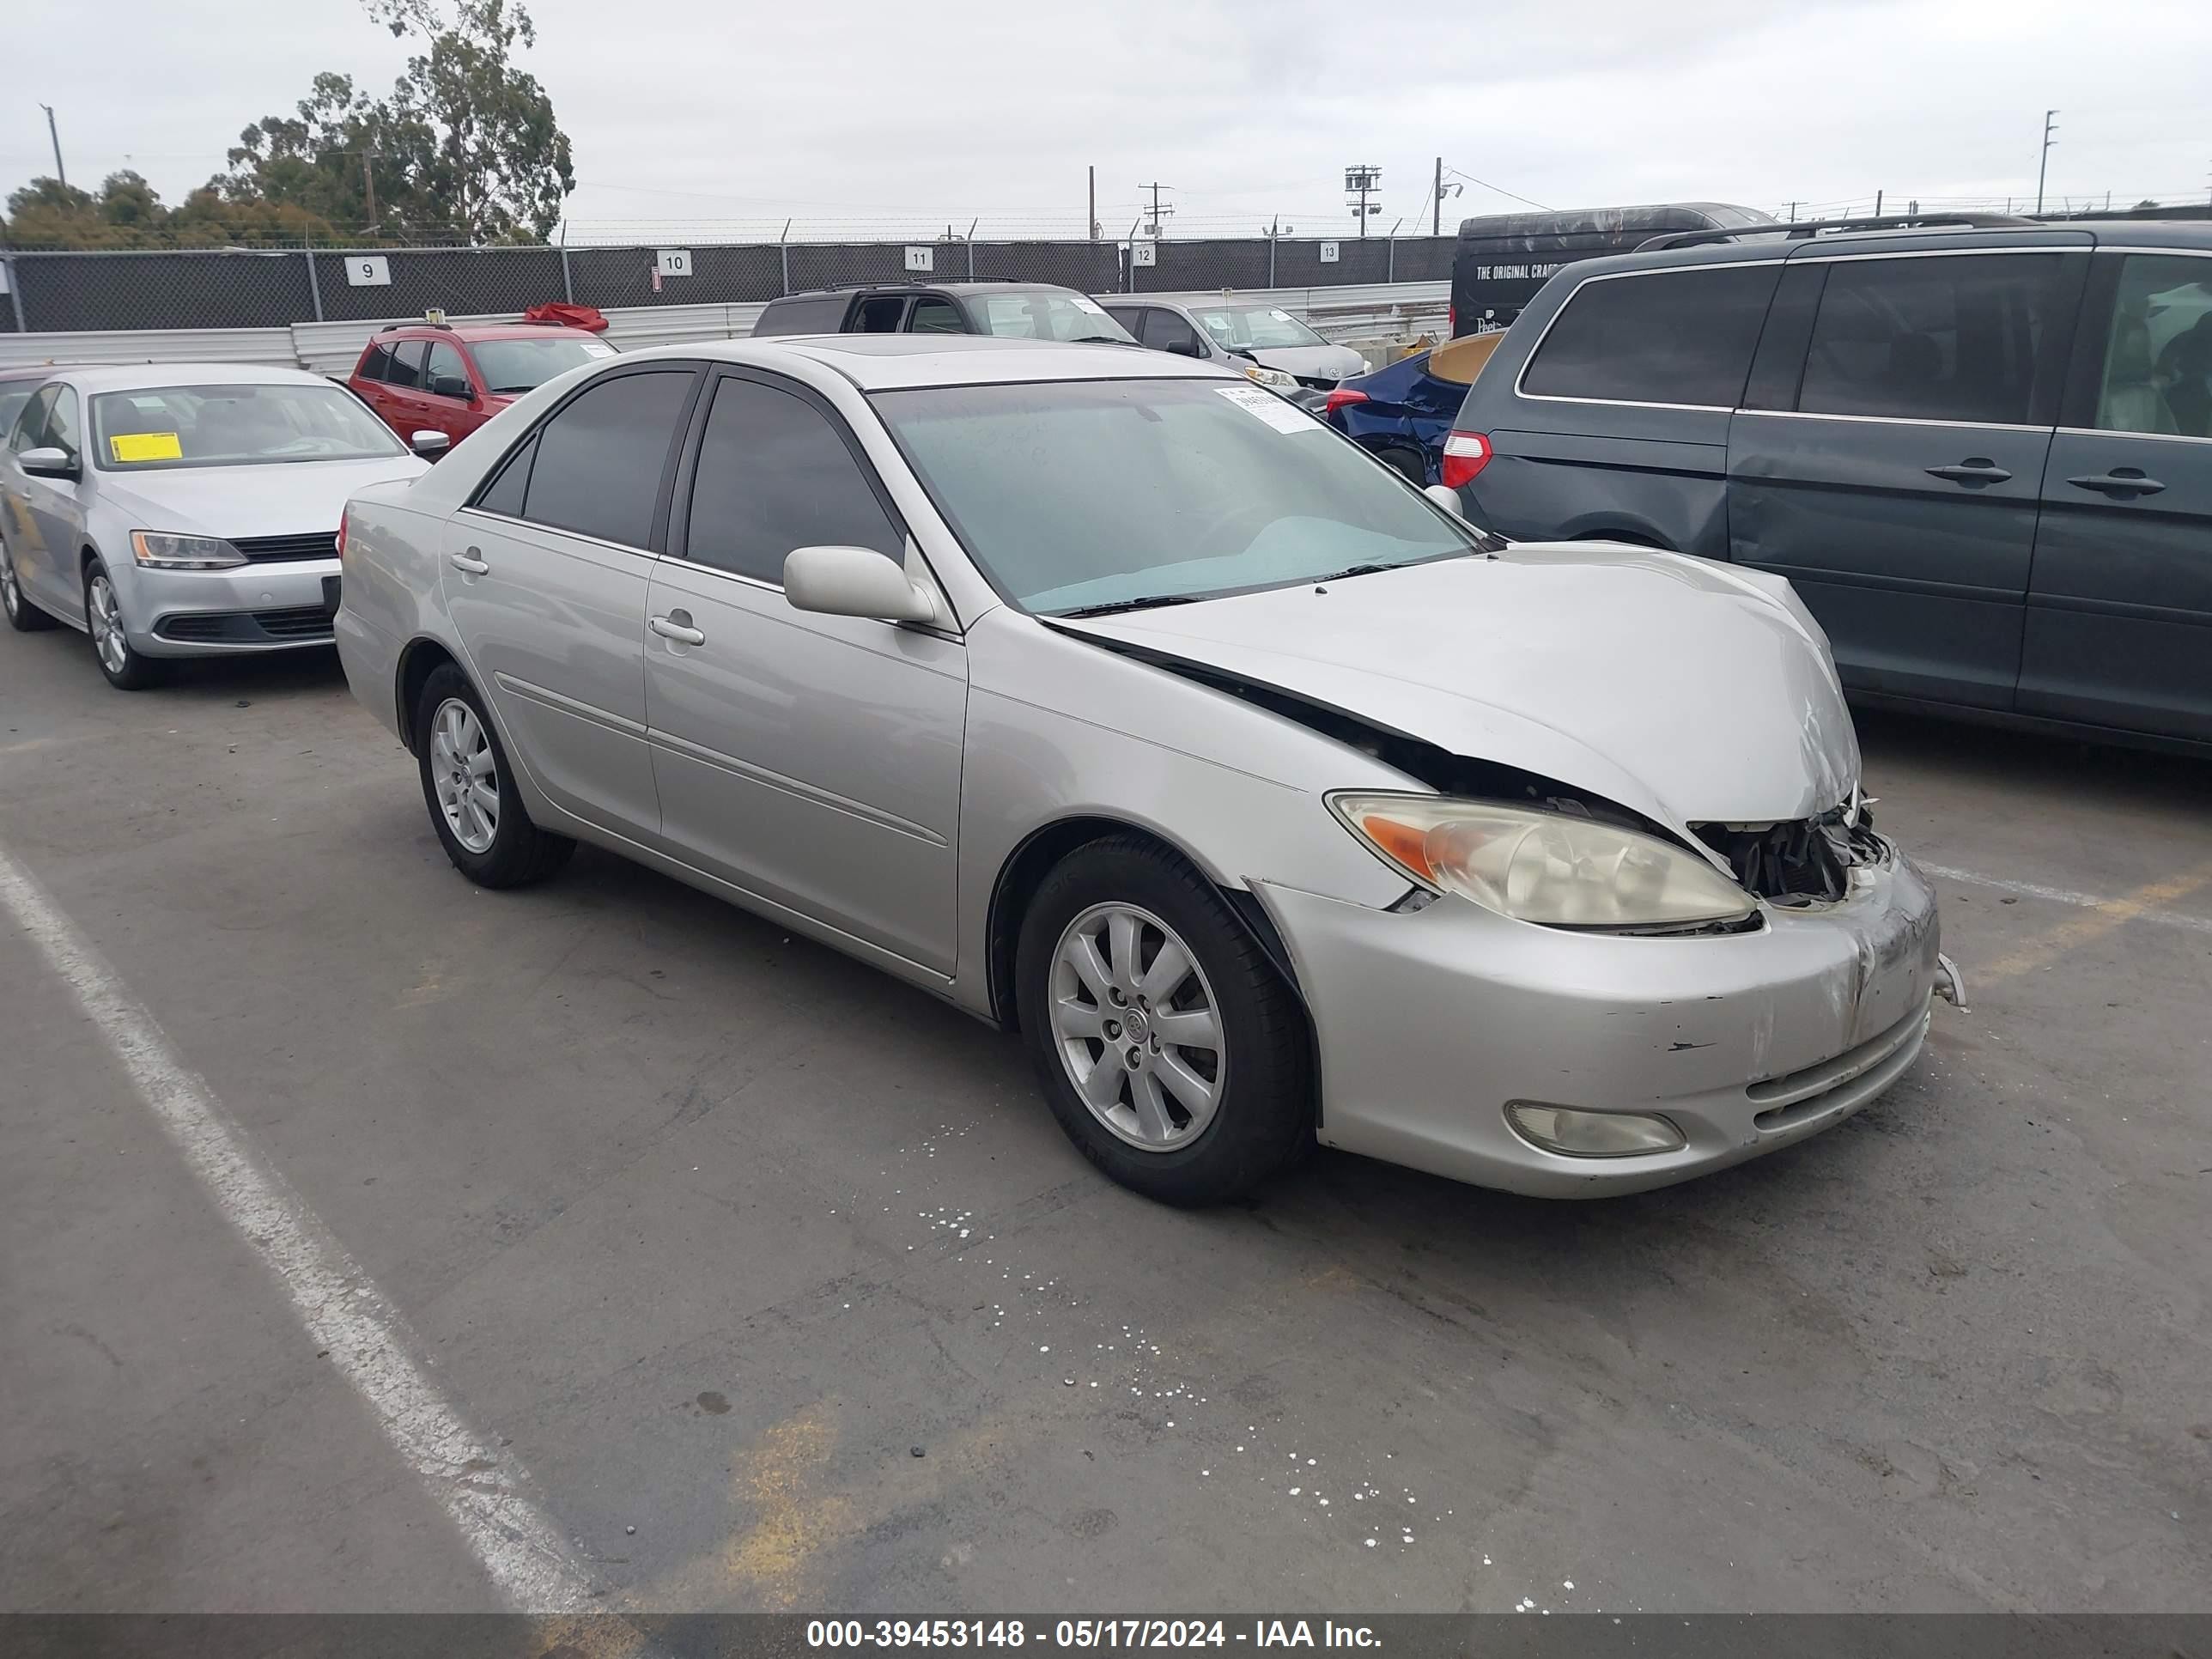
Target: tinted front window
{"type": "Point", "coordinates": [2158, 354]}
{"type": "Point", "coordinates": [1948, 338]}
{"type": "Point", "coordinates": [63, 430]}
{"type": "Point", "coordinates": [1044, 315]}
{"type": "Point", "coordinates": [1247, 328]}
{"type": "Point", "coordinates": [1672, 336]}
{"type": "Point", "coordinates": [406, 364]}
{"type": "Point", "coordinates": [1233, 488]}
{"type": "Point", "coordinates": [1166, 332]}
{"type": "Point", "coordinates": [183, 426]}
{"type": "Point", "coordinates": [775, 475]}
{"type": "Point", "coordinates": [600, 460]}
{"type": "Point", "coordinates": [879, 313]}
{"type": "Point", "coordinates": [934, 316]}
{"type": "Point", "coordinates": [31, 423]}
{"type": "Point", "coordinates": [511, 367]}
{"type": "Point", "coordinates": [445, 364]}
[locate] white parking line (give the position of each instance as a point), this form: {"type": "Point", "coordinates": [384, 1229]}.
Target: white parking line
{"type": "Point", "coordinates": [2065, 896]}
{"type": "Point", "coordinates": [515, 1541]}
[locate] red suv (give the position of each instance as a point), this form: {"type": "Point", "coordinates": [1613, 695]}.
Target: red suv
{"type": "Point", "coordinates": [436, 377]}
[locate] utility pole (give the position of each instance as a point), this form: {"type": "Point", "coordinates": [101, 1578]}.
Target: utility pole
{"type": "Point", "coordinates": [1359, 183]}
{"type": "Point", "coordinates": [2049, 127]}
{"type": "Point", "coordinates": [1877, 204]}
{"type": "Point", "coordinates": [1436, 213]}
{"type": "Point", "coordinates": [369, 181]}
{"type": "Point", "coordinates": [1091, 218]}
{"type": "Point", "coordinates": [54, 133]}
{"type": "Point", "coordinates": [1159, 213]}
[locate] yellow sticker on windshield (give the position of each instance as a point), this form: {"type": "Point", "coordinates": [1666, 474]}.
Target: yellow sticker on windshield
{"type": "Point", "coordinates": [128, 447]}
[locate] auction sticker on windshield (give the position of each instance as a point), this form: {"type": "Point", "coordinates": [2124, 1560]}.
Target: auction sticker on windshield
{"type": "Point", "coordinates": [1267, 406]}
{"type": "Point", "coordinates": [129, 446]}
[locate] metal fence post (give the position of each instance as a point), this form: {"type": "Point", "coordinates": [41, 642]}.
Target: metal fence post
{"type": "Point", "coordinates": [784, 248]}
{"type": "Point", "coordinates": [1271, 256]}
{"type": "Point", "coordinates": [314, 283]}
{"type": "Point", "coordinates": [14, 290]}
{"type": "Point", "coordinates": [1393, 265]}
{"type": "Point", "coordinates": [971, 254]}
{"type": "Point", "coordinates": [567, 284]}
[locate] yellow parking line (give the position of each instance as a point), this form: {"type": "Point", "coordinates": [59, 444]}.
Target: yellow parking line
{"type": "Point", "coordinates": [2102, 919]}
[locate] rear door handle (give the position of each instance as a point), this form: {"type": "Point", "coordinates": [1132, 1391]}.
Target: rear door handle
{"type": "Point", "coordinates": [2120, 481]}
{"type": "Point", "coordinates": [1976, 470]}
{"type": "Point", "coordinates": [682, 633]}
{"type": "Point", "coordinates": [468, 563]}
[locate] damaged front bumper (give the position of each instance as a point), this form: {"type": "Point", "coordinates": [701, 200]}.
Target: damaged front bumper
{"type": "Point", "coordinates": [1431, 1023]}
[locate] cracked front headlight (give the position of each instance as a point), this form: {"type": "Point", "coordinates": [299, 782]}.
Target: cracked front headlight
{"type": "Point", "coordinates": [167, 552]}
{"type": "Point", "coordinates": [1540, 866]}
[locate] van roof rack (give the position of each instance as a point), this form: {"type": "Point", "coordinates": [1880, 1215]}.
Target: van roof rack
{"type": "Point", "coordinates": [1799, 229]}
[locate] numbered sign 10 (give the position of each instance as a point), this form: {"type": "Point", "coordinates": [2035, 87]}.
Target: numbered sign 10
{"type": "Point", "coordinates": [672, 262]}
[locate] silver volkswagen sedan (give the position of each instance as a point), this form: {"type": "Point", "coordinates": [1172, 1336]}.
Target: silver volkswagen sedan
{"type": "Point", "coordinates": [184, 509]}
{"type": "Point", "coordinates": [1114, 700]}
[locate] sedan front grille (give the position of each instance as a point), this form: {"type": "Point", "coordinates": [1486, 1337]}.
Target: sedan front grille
{"type": "Point", "coordinates": [266, 550]}
{"type": "Point", "coordinates": [295, 624]}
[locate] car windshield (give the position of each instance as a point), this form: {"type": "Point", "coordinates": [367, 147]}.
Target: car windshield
{"type": "Point", "coordinates": [1074, 494]}
{"type": "Point", "coordinates": [1045, 315]}
{"type": "Point", "coordinates": [512, 366]}
{"type": "Point", "coordinates": [179, 426]}
{"type": "Point", "coordinates": [1247, 328]}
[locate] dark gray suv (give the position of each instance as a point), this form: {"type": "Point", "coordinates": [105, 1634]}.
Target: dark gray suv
{"type": "Point", "coordinates": [1009, 310]}
{"type": "Point", "coordinates": [1983, 453]}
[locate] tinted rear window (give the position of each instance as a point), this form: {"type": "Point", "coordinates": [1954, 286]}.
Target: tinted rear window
{"type": "Point", "coordinates": [1672, 336]}
{"type": "Point", "coordinates": [817, 314]}
{"type": "Point", "coordinates": [600, 460]}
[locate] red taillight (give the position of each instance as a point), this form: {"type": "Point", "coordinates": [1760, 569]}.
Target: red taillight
{"type": "Point", "coordinates": [1451, 322]}
{"type": "Point", "coordinates": [343, 517]}
{"type": "Point", "coordinates": [1466, 454]}
{"type": "Point", "coordinates": [1339, 396]}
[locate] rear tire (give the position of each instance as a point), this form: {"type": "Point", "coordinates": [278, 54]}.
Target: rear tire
{"type": "Point", "coordinates": [22, 616]}
{"type": "Point", "coordinates": [475, 807]}
{"type": "Point", "coordinates": [1409, 465]}
{"type": "Point", "coordinates": [1189, 1085]}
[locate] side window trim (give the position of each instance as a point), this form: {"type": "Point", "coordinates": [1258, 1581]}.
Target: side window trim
{"type": "Point", "coordinates": [686, 421]}
{"type": "Point", "coordinates": [674, 546]}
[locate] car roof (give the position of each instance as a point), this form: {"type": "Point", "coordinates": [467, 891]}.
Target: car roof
{"type": "Point", "coordinates": [471, 331]}
{"type": "Point", "coordinates": [34, 371]}
{"type": "Point", "coordinates": [876, 363]}
{"type": "Point", "coordinates": [925, 285]}
{"type": "Point", "coordinates": [131, 377]}
{"type": "Point", "coordinates": [1761, 242]}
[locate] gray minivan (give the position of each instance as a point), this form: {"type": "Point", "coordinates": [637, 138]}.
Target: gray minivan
{"type": "Point", "coordinates": [1981, 454]}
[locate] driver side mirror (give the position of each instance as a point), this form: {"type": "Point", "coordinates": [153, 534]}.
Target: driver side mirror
{"type": "Point", "coordinates": [1446, 497]}
{"type": "Point", "coordinates": [48, 461]}
{"type": "Point", "coordinates": [1188, 348]}
{"type": "Point", "coordinates": [430, 445]}
{"type": "Point", "coordinates": [854, 581]}
{"type": "Point", "coordinates": [453, 386]}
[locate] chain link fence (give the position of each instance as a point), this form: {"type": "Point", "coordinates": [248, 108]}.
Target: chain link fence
{"type": "Point", "coordinates": [264, 287]}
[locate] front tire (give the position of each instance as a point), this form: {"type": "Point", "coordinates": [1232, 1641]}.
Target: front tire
{"type": "Point", "coordinates": [1166, 1043]}
{"type": "Point", "coordinates": [1409, 465]}
{"type": "Point", "coordinates": [22, 616]}
{"type": "Point", "coordinates": [118, 659]}
{"type": "Point", "coordinates": [475, 806]}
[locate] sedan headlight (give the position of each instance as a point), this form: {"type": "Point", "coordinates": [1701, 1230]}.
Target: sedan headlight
{"type": "Point", "coordinates": [167, 552]}
{"type": "Point", "coordinates": [1542, 866]}
{"type": "Point", "coordinates": [1273, 377]}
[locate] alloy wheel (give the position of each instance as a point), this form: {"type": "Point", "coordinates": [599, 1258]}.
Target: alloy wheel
{"type": "Point", "coordinates": [466, 774]}
{"type": "Point", "coordinates": [11, 597]}
{"type": "Point", "coordinates": [1136, 1027]}
{"type": "Point", "coordinates": [106, 618]}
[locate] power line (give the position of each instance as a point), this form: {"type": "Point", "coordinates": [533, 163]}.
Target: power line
{"type": "Point", "coordinates": [1499, 190]}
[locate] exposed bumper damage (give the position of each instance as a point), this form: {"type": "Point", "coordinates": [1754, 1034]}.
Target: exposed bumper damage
{"type": "Point", "coordinates": [1431, 1022]}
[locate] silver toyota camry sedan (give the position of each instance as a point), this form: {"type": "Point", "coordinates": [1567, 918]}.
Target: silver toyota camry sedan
{"type": "Point", "coordinates": [1118, 701]}
{"type": "Point", "coordinates": [184, 509]}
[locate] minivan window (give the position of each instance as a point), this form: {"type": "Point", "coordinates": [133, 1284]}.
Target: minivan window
{"type": "Point", "coordinates": [1950, 337]}
{"type": "Point", "coordinates": [1664, 336]}
{"type": "Point", "coordinates": [774, 475]}
{"type": "Point", "coordinates": [2158, 354]}
{"type": "Point", "coordinates": [932, 315]}
{"type": "Point", "coordinates": [600, 460]}
{"type": "Point", "coordinates": [1166, 331]}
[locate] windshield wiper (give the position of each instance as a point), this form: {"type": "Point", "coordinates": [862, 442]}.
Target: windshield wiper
{"type": "Point", "coordinates": [1144, 604]}
{"type": "Point", "coordinates": [1098, 339]}
{"type": "Point", "coordinates": [1358, 570]}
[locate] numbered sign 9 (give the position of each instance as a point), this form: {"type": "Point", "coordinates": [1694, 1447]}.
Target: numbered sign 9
{"type": "Point", "coordinates": [672, 262]}
{"type": "Point", "coordinates": [369, 270]}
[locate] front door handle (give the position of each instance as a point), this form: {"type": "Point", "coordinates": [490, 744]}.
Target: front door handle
{"type": "Point", "coordinates": [468, 563]}
{"type": "Point", "coordinates": [2122, 481]}
{"type": "Point", "coordinates": [1975, 470]}
{"type": "Point", "coordinates": [682, 632]}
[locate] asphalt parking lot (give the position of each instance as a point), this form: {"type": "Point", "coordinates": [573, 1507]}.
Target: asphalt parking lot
{"type": "Point", "coordinates": [707, 1230]}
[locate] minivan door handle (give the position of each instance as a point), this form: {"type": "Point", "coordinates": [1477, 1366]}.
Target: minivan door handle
{"type": "Point", "coordinates": [468, 563]}
{"type": "Point", "coordinates": [682, 632]}
{"type": "Point", "coordinates": [2122, 481]}
{"type": "Point", "coordinates": [1975, 470]}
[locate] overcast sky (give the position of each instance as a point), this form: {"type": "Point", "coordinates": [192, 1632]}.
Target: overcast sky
{"type": "Point", "coordinates": [860, 114]}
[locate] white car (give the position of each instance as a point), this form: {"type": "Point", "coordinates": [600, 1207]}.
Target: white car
{"type": "Point", "coordinates": [184, 509]}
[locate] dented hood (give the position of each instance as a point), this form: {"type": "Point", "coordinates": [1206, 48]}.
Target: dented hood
{"type": "Point", "coordinates": [1687, 690]}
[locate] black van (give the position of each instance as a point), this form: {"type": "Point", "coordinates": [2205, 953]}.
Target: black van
{"type": "Point", "coordinates": [1502, 260]}
{"type": "Point", "coordinates": [1981, 453]}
